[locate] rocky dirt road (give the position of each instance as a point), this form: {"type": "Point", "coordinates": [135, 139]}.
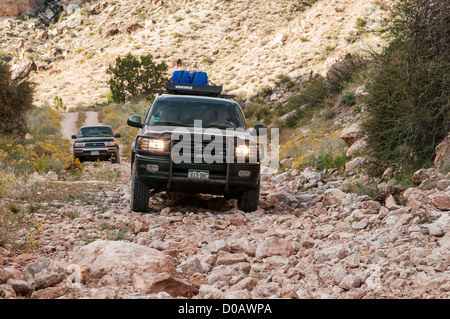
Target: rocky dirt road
{"type": "Point", "coordinates": [308, 239]}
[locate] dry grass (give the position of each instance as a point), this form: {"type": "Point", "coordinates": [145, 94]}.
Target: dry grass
{"type": "Point", "coordinates": [81, 119]}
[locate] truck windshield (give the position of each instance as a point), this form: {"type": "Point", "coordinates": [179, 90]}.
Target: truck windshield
{"type": "Point", "coordinates": [95, 131]}
{"type": "Point", "coordinates": [214, 114]}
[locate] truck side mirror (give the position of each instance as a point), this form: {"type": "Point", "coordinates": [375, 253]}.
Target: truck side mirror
{"type": "Point", "coordinates": [135, 121]}
{"type": "Point", "coordinates": [74, 137]}
{"type": "Point", "coordinates": [257, 127]}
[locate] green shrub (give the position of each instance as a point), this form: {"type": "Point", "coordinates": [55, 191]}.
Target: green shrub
{"type": "Point", "coordinates": [267, 90]}
{"type": "Point", "coordinates": [327, 114]}
{"type": "Point", "coordinates": [370, 189]}
{"type": "Point", "coordinates": [348, 98]}
{"type": "Point", "coordinates": [329, 160]}
{"type": "Point", "coordinates": [258, 112]}
{"type": "Point", "coordinates": [309, 97]}
{"type": "Point", "coordinates": [5, 57]}
{"type": "Point", "coordinates": [283, 78]}
{"type": "Point", "coordinates": [342, 71]}
{"type": "Point", "coordinates": [408, 110]}
{"type": "Point", "coordinates": [135, 77]}
{"type": "Point", "coordinates": [58, 104]}
{"type": "Point", "coordinates": [15, 100]}
{"type": "Point", "coordinates": [360, 22]}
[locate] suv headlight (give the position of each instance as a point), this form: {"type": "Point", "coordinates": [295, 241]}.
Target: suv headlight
{"type": "Point", "coordinates": [110, 143]}
{"type": "Point", "coordinates": [242, 150]}
{"type": "Point", "coordinates": [79, 145]}
{"type": "Point", "coordinates": [149, 144]}
{"type": "Point", "coordinates": [252, 150]}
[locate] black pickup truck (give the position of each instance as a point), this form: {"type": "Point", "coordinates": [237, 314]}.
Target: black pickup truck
{"type": "Point", "coordinates": [196, 144]}
{"type": "Point", "coordinates": [96, 142]}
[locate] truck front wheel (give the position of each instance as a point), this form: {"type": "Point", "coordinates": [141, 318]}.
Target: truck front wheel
{"type": "Point", "coordinates": [140, 192]}
{"type": "Point", "coordinates": [248, 200]}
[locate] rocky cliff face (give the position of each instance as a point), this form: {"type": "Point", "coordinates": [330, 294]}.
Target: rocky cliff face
{"type": "Point", "coordinates": [12, 8]}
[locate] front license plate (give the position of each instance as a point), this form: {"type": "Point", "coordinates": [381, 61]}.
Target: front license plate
{"type": "Point", "coordinates": [192, 173]}
{"type": "Point", "coordinates": [94, 152]}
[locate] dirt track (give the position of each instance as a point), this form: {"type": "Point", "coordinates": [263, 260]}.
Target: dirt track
{"type": "Point", "coordinates": [91, 118]}
{"type": "Point", "coordinates": [68, 124]}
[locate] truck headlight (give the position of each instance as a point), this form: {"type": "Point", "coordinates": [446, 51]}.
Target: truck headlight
{"type": "Point", "coordinates": [110, 143]}
{"type": "Point", "coordinates": [242, 150]}
{"type": "Point", "coordinates": [79, 145]}
{"type": "Point", "coordinates": [149, 144]}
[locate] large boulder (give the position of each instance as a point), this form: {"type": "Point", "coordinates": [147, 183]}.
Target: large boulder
{"type": "Point", "coordinates": [21, 70]}
{"type": "Point", "coordinates": [351, 134]}
{"type": "Point", "coordinates": [155, 283]}
{"type": "Point", "coordinates": [334, 196]}
{"type": "Point", "coordinates": [147, 269]}
{"type": "Point", "coordinates": [427, 177]}
{"type": "Point", "coordinates": [121, 259]}
{"type": "Point", "coordinates": [356, 147]}
{"type": "Point", "coordinates": [46, 272]}
{"type": "Point", "coordinates": [441, 201]}
{"type": "Point", "coordinates": [416, 198]}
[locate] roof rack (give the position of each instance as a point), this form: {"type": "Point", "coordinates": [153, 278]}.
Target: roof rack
{"type": "Point", "coordinates": [194, 89]}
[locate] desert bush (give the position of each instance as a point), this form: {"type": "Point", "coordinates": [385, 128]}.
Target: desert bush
{"type": "Point", "coordinates": [113, 119]}
{"type": "Point", "coordinates": [371, 189]}
{"type": "Point", "coordinates": [309, 97]}
{"type": "Point", "coordinates": [42, 157]}
{"type": "Point", "coordinates": [128, 134]}
{"type": "Point", "coordinates": [408, 111]}
{"type": "Point", "coordinates": [342, 71]}
{"type": "Point", "coordinates": [8, 226]}
{"type": "Point", "coordinates": [58, 104]}
{"type": "Point", "coordinates": [257, 112]}
{"type": "Point", "coordinates": [46, 151]}
{"type": "Point", "coordinates": [15, 100]}
{"type": "Point", "coordinates": [5, 57]}
{"type": "Point", "coordinates": [135, 77]}
{"type": "Point", "coordinates": [44, 122]}
{"type": "Point", "coordinates": [319, 149]}
{"type": "Point", "coordinates": [73, 165]}
{"type": "Point", "coordinates": [348, 98]}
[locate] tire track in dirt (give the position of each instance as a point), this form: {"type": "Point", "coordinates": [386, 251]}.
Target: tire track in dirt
{"type": "Point", "coordinates": [91, 118]}
{"type": "Point", "coordinates": [68, 124]}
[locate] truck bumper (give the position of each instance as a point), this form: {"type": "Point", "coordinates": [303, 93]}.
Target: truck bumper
{"type": "Point", "coordinates": [162, 173]}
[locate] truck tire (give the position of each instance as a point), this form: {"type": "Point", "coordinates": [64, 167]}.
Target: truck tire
{"type": "Point", "coordinates": [249, 200]}
{"type": "Point", "coordinates": [116, 158]}
{"type": "Point", "coordinates": [140, 192]}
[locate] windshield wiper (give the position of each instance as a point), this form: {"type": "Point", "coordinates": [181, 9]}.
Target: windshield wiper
{"type": "Point", "coordinates": [220, 126]}
{"type": "Point", "coordinates": [171, 123]}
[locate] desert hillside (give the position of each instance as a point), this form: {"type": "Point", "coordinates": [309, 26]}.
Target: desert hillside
{"type": "Point", "coordinates": [244, 45]}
